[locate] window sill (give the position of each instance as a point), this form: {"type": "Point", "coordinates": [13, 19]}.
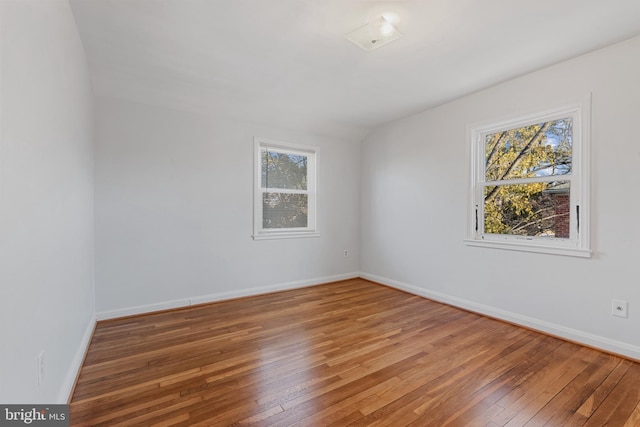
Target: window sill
{"type": "Point", "coordinates": [285, 235]}
{"type": "Point", "coordinates": [530, 247]}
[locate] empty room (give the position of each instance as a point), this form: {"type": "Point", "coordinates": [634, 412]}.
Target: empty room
{"type": "Point", "coordinates": [320, 212]}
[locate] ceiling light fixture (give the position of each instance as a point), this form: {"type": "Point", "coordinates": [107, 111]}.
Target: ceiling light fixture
{"type": "Point", "coordinates": [374, 34]}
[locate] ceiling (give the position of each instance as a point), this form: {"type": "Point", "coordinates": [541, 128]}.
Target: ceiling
{"type": "Point", "coordinates": [287, 63]}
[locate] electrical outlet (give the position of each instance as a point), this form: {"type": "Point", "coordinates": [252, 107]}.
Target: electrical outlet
{"type": "Point", "coordinates": [346, 253]}
{"type": "Point", "coordinates": [41, 367]}
{"type": "Point", "coordinates": [619, 308]}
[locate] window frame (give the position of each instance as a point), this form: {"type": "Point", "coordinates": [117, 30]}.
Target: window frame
{"type": "Point", "coordinates": [578, 243]}
{"type": "Point", "coordinates": [312, 154]}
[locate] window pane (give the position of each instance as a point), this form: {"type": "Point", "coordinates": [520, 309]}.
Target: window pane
{"type": "Point", "coordinates": [543, 149]}
{"type": "Point", "coordinates": [281, 170]}
{"type": "Point", "coordinates": [538, 209]}
{"type": "Point", "coordinates": [284, 210]}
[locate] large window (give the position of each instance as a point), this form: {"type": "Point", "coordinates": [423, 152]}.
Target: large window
{"type": "Point", "coordinates": [285, 190]}
{"type": "Point", "coordinates": [529, 183]}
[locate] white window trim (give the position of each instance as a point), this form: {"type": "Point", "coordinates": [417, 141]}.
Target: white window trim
{"type": "Point", "coordinates": [260, 233]}
{"type": "Point", "coordinates": [578, 244]}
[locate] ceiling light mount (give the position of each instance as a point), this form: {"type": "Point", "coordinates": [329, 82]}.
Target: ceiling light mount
{"type": "Point", "coordinates": [374, 34]}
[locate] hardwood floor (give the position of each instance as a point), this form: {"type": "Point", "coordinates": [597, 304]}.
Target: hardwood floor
{"type": "Point", "coordinates": [347, 353]}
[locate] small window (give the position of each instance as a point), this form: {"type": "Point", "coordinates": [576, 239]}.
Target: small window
{"type": "Point", "coordinates": [529, 184]}
{"type": "Point", "coordinates": [285, 190]}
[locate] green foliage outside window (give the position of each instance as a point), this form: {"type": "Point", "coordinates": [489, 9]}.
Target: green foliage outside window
{"type": "Point", "coordinates": [536, 153]}
{"type": "Point", "coordinates": [284, 171]}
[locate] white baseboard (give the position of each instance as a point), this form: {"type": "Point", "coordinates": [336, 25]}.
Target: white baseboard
{"type": "Point", "coordinates": [141, 309]}
{"type": "Point", "coordinates": [220, 296]}
{"type": "Point", "coordinates": [72, 373]}
{"type": "Point", "coordinates": [574, 335]}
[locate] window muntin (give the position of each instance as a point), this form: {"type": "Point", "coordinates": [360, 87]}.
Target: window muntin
{"type": "Point", "coordinates": [529, 182]}
{"type": "Point", "coordinates": [285, 201]}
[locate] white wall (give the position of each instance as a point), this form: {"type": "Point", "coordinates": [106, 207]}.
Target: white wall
{"type": "Point", "coordinates": [174, 206]}
{"type": "Point", "coordinates": [46, 201]}
{"type": "Point", "coordinates": [414, 207]}
{"type": "Point", "coordinates": [174, 203]}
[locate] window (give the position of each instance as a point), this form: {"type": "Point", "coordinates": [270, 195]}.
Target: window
{"type": "Point", "coordinates": [529, 183]}
{"type": "Point", "coordinates": [285, 190]}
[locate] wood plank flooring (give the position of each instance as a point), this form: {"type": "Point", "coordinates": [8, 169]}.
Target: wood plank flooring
{"type": "Point", "coordinates": [350, 353]}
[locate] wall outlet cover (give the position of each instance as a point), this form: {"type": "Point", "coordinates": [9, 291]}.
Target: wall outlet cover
{"type": "Point", "coordinates": [619, 308]}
